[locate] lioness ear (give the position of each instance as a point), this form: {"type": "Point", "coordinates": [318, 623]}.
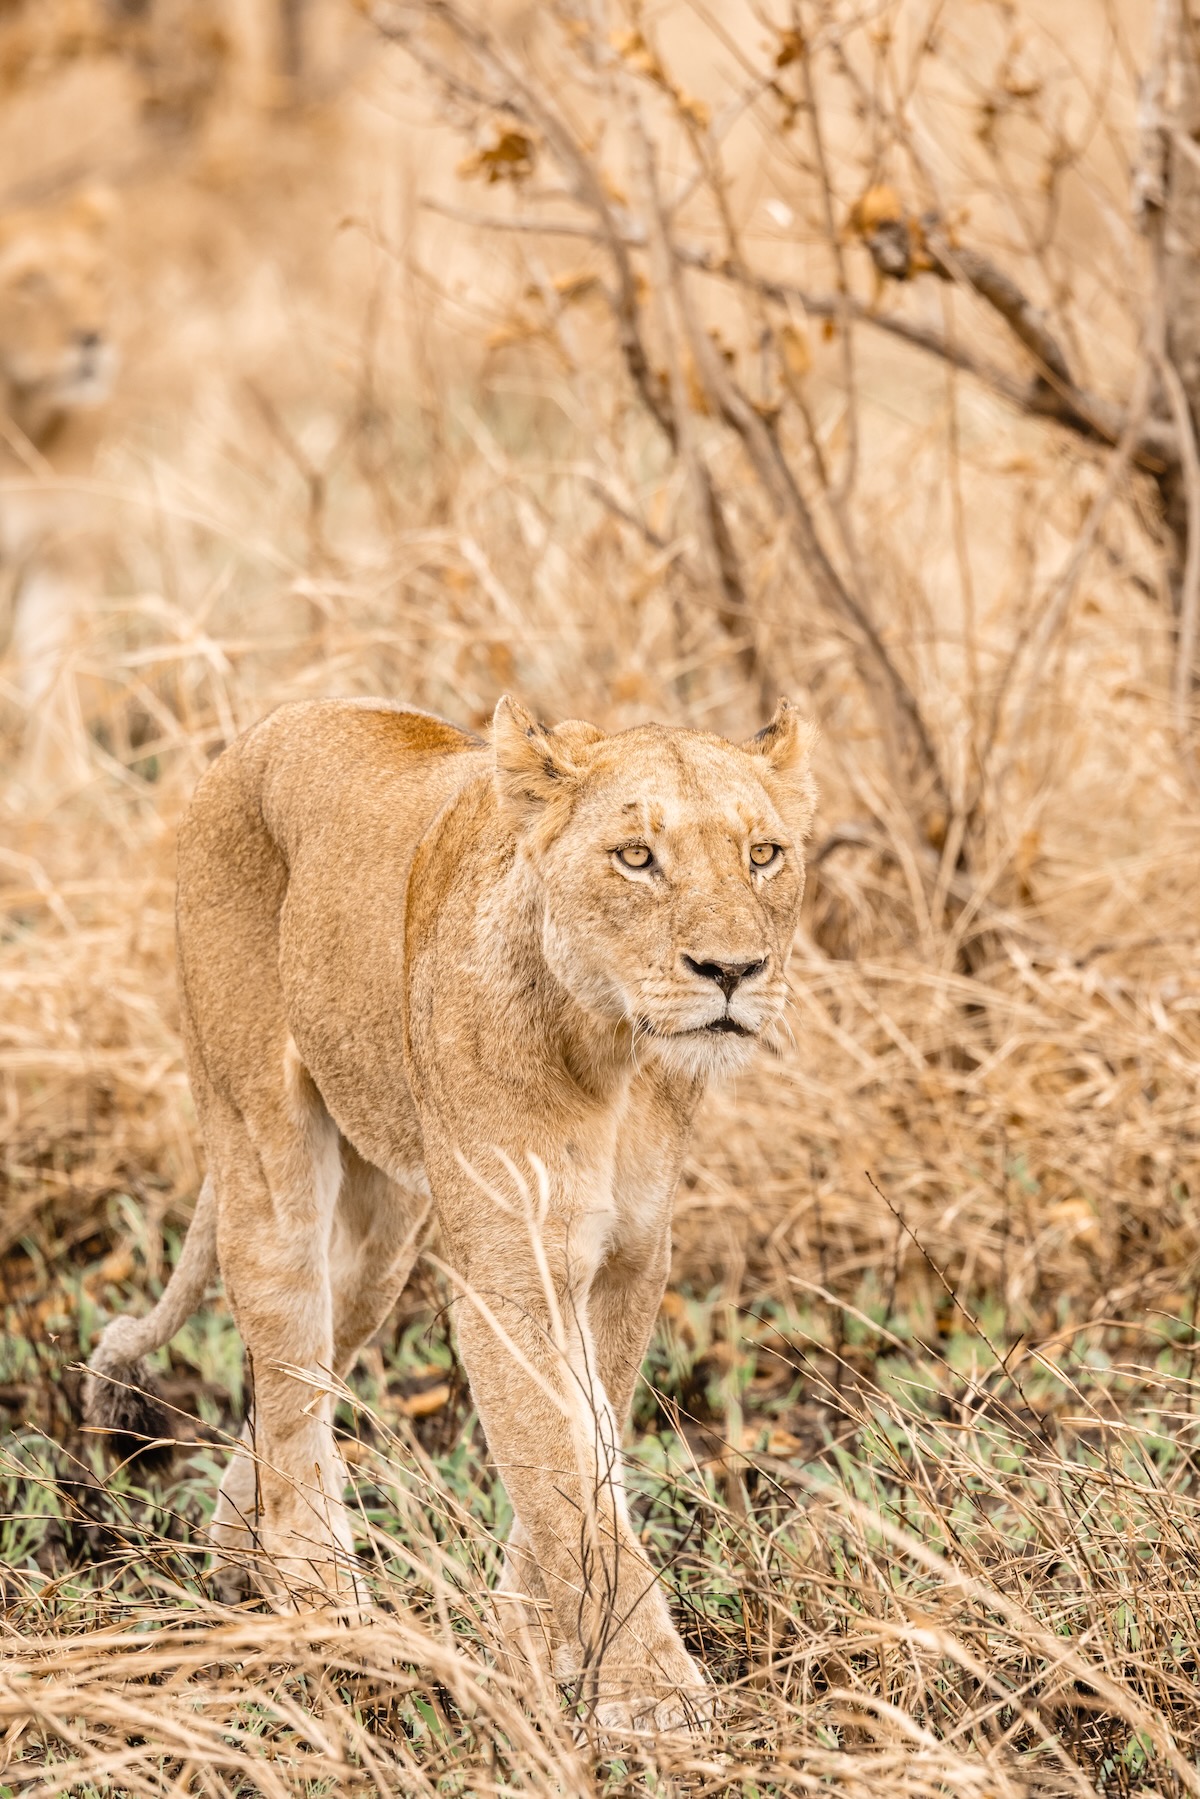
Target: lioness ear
{"type": "Point", "coordinates": [786, 746]}
{"type": "Point", "coordinates": [535, 765]}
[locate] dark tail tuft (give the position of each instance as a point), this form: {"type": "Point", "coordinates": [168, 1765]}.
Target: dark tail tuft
{"type": "Point", "coordinates": [120, 1398]}
{"type": "Point", "coordinates": [119, 1394]}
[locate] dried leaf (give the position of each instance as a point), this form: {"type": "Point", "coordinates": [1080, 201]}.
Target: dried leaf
{"type": "Point", "coordinates": [797, 351]}
{"type": "Point", "coordinates": [791, 49]}
{"type": "Point", "coordinates": [519, 329]}
{"type": "Point", "coordinates": [879, 205]}
{"type": "Point", "coordinates": [636, 53]}
{"type": "Point", "coordinates": [575, 284]}
{"type": "Point", "coordinates": [1077, 1219]}
{"type": "Point", "coordinates": [696, 110]}
{"type": "Point", "coordinates": [424, 1405]}
{"type": "Point", "coordinates": [674, 1309]}
{"type": "Point", "coordinates": [509, 157]}
{"type": "Point", "coordinates": [117, 1266]}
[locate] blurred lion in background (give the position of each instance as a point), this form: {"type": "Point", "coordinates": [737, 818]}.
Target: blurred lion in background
{"type": "Point", "coordinates": [176, 51]}
{"type": "Point", "coordinates": [56, 353]}
{"type": "Point", "coordinates": [57, 364]}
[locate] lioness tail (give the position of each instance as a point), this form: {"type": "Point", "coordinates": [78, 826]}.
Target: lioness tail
{"type": "Point", "coordinates": [119, 1394]}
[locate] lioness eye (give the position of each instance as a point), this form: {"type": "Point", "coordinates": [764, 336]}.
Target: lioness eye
{"type": "Point", "coordinates": [635, 855]}
{"type": "Point", "coordinates": [763, 854]}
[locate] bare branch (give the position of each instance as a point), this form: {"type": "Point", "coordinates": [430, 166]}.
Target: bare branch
{"type": "Point", "coordinates": [1027, 322]}
{"type": "Point", "coordinates": [720, 552]}
{"type": "Point", "coordinates": [895, 703]}
{"type": "Point", "coordinates": [1078, 410]}
{"type": "Point", "coordinates": [522, 98]}
{"type": "Point", "coordinates": [844, 315]}
{"type": "Point", "coordinates": [1166, 195]}
{"type": "Point", "coordinates": [1150, 166]}
{"type": "Point", "coordinates": [1189, 596]}
{"type": "Point", "coordinates": [902, 247]}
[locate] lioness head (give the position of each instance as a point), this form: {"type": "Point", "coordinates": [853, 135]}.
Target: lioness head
{"type": "Point", "coordinates": [671, 868]}
{"type": "Point", "coordinates": [56, 352]}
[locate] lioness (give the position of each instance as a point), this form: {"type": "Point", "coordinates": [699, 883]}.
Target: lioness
{"type": "Point", "coordinates": [56, 353]}
{"type": "Point", "coordinates": [57, 361]}
{"type": "Point", "coordinates": [418, 971]}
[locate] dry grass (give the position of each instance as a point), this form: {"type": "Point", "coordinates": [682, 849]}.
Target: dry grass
{"type": "Point", "coordinates": [916, 1445]}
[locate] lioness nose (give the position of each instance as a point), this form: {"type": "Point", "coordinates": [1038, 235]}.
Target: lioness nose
{"type": "Point", "coordinates": [727, 975]}
{"type": "Point", "coordinates": [88, 340]}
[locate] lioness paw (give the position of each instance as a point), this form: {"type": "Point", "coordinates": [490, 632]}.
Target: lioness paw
{"type": "Point", "coordinates": [663, 1691]}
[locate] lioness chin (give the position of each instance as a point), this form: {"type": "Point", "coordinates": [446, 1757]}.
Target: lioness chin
{"type": "Point", "coordinates": [420, 973]}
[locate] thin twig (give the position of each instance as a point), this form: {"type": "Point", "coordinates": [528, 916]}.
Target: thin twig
{"type": "Point", "coordinates": [841, 489]}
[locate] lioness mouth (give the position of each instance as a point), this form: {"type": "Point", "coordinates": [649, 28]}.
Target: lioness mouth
{"type": "Point", "coordinates": [725, 1026]}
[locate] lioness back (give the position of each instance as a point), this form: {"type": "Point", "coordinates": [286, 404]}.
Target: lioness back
{"type": "Point", "coordinates": [336, 795]}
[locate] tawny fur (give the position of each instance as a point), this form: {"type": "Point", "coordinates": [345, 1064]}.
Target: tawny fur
{"type": "Point", "coordinates": [420, 972]}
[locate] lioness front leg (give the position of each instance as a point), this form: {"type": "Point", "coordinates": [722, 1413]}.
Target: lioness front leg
{"type": "Point", "coordinates": [554, 1438]}
{"type": "Point", "coordinates": [623, 1302]}
{"type": "Point", "coordinates": [622, 1308]}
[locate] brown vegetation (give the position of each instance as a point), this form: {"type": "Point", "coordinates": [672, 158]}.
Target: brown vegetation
{"type": "Point", "coordinates": [651, 366]}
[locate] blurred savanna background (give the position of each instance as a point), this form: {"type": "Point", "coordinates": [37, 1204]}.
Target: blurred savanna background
{"type": "Point", "coordinates": [647, 361]}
